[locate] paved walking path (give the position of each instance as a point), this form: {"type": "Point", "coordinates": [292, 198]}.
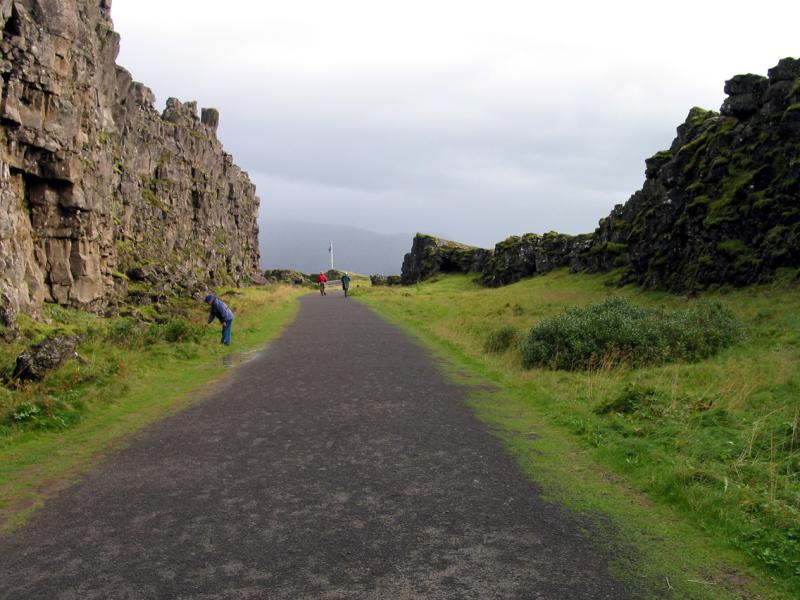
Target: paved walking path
{"type": "Point", "coordinates": [336, 464]}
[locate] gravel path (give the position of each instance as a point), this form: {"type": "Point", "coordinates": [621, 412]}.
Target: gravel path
{"type": "Point", "coordinates": [338, 463]}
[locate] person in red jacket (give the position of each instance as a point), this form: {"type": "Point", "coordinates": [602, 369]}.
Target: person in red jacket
{"type": "Point", "coordinates": [321, 280]}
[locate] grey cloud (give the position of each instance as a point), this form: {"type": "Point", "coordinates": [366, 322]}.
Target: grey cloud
{"type": "Point", "coordinates": [461, 149]}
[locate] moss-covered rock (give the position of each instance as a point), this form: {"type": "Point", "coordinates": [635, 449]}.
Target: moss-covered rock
{"type": "Point", "coordinates": [719, 205]}
{"type": "Point", "coordinates": [524, 256]}
{"type": "Point", "coordinates": [287, 276]}
{"type": "Point", "coordinates": [430, 255]}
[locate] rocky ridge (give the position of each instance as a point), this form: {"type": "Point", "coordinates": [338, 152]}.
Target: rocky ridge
{"type": "Point", "coordinates": [430, 255]}
{"type": "Point", "coordinates": [97, 188]}
{"type": "Point", "coordinates": [720, 206]}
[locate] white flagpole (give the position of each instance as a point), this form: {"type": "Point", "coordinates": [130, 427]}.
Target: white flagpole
{"type": "Point", "coordinates": [330, 249]}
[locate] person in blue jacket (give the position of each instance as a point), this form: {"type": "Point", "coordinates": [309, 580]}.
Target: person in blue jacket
{"type": "Point", "coordinates": [219, 310]}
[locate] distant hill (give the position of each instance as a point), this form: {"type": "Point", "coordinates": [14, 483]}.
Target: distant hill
{"type": "Point", "coordinates": [304, 247]}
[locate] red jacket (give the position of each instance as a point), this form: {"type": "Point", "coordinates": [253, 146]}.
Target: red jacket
{"type": "Point", "coordinates": [322, 278]}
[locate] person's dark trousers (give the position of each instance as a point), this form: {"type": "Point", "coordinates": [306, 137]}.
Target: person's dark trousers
{"type": "Point", "coordinates": [226, 333]}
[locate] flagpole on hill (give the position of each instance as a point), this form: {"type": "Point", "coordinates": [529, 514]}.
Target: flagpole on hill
{"type": "Point", "coordinates": [330, 250]}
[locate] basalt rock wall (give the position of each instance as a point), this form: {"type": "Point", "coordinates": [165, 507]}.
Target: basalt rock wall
{"type": "Point", "coordinates": [430, 255]}
{"type": "Point", "coordinates": [97, 187]}
{"type": "Point", "coordinates": [531, 254]}
{"type": "Point", "coordinates": [510, 260]}
{"type": "Point", "coordinates": [721, 206]}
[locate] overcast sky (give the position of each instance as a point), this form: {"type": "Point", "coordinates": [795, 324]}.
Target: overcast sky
{"type": "Point", "coordinates": [471, 119]}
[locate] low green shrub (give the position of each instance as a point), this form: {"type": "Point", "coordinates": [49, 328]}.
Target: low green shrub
{"type": "Point", "coordinates": [501, 339]}
{"type": "Point", "coordinates": [617, 331]}
{"type": "Point", "coordinates": [52, 412]}
{"type": "Point", "coordinates": [132, 333]}
{"type": "Point", "coordinates": [702, 330]}
{"type": "Point", "coordinates": [181, 330]}
{"type": "Point", "coordinates": [25, 411]}
{"type": "Point", "coordinates": [127, 332]}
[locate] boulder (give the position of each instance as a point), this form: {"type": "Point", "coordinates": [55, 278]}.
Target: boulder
{"type": "Point", "coordinates": [286, 276]}
{"type": "Point", "coordinates": [45, 356]}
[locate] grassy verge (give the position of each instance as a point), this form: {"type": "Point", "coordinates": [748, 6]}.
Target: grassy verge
{"type": "Point", "coordinates": [696, 465]}
{"type": "Point", "coordinates": [128, 375]}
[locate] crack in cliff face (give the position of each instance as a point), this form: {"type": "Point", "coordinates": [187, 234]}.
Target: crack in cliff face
{"type": "Point", "coordinates": [95, 183]}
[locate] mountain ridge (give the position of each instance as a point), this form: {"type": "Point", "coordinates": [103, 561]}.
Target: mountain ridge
{"type": "Point", "coordinates": [303, 246]}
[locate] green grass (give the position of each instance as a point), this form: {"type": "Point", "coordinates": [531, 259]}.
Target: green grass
{"type": "Point", "coordinates": [129, 374]}
{"type": "Point", "coordinates": [695, 467]}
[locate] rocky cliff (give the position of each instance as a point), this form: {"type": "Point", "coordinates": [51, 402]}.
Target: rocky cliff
{"type": "Point", "coordinates": [430, 255]}
{"type": "Point", "coordinates": [720, 206]}
{"type": "Point", "coordinates": [533, 254]}
{"type": "Point", "coordinates": [96, 186]}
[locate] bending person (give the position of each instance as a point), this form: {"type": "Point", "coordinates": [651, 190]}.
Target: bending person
{"type": "Point", "coordinates": [219, 310]}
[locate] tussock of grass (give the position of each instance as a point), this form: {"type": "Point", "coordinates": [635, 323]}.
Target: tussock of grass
{"type": "Point", "coordinates": [711, 439]}
{"type": "Point", "coordinates": [501, 339]}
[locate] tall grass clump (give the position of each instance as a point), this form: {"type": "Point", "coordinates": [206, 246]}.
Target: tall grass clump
{"type": "Point", "coordinates": [180, 330]}
{"type": "Point", "coordinates": [501, 339]}
{"type": "Point", "coordinates": [126, 332]}
{"type": "Point", "coordinates": [619, 331]}
{"type": "Point", "coordinates": [133, 334]}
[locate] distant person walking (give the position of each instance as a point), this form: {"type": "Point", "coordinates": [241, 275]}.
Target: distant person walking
{"type": "Point", "coordinates": [322, 280]}
{"type": "Point", "coordinates": [219, 310]}
{"type": "Point", "coordinates": [345, 283]}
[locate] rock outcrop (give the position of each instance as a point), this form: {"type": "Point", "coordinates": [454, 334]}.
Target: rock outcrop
{"type": "Point", "coordinates": [387, 280]}
{"type": "Point", "coordinates": [9, 331]}
{"type": "Point", "coordinates": [430, 255]}
{"type": "Point", "coordinates": [49, 354]}
{"type": "Point", "coordinates": [532, 254]}
{"type": "Point", "coordinates": [511, 260]}
{"type": "Point", "coordinates": [720, 206]}
{"type": "Point", "coordinates": [96, 186]}
{"type": "Point", "coordinates": [287, 276]}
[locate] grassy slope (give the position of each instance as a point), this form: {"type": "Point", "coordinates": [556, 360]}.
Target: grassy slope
{"type": "Point", "coordinates": [701, 481]}
{"type": "Point", "coordinates": [90, 406]}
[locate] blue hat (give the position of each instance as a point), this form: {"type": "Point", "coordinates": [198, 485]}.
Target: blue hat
{"type": "Point", "coordinates": [209, 298]}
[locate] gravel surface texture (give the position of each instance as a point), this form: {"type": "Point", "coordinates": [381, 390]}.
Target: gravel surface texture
{"type": "Point", "coordinates": [337, 463]}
